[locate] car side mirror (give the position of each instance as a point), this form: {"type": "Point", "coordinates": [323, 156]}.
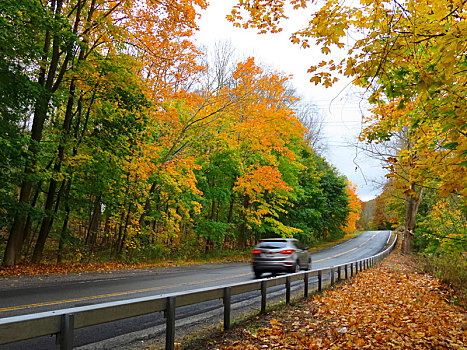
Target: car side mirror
{"type": "Point", "coordinates": [306, 248]}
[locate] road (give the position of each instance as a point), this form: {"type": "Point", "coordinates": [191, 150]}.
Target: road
{"type": "Point", "coordinates": [19, 296]}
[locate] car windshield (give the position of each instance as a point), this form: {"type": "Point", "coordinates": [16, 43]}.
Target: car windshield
{"type": "Point", "coordinates": [272, 244]}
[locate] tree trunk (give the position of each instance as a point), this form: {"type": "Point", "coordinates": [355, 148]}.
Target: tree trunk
{"type": "Point", "coordinates": [412, 203]}
{"type": "Point", "coordinates": [64, 232]}
{"type": "Point", "coordinates": [243, 226]}
{"type": "Point", "coordinates": [45, 80]}
{"type": "Point", "coordinates": [125, 231]}
{"type": "Point", "coordinates": [106, 238]}
{"type": "Point", "coordinates": [213, 210]}
{"type": "Point", "coordinates": [230, 216]}
{"type": "Point", "coordinates": [91, 236]}
{"type": "Point", "coordinates": [48, 220]}
{"type": "Point", "coordinates": [16, 237]}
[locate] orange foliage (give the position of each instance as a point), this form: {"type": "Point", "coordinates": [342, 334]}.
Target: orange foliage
{"type": "Point", "coordinates": [355, 205]}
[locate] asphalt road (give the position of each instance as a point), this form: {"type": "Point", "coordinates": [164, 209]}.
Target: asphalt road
{"type": "Point", "coordinates": [19, 296]}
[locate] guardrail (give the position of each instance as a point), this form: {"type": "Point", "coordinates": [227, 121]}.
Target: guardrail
{"type": "Point", "coordinates": [63, 322]}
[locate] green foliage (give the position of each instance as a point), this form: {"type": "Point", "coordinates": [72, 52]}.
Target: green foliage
{"type": "Point", "coordinates": [213, 231]}
{"type": "Point", "coordinates": [443, 230]}
{"type": "Point", "coordinates": [322, 203]}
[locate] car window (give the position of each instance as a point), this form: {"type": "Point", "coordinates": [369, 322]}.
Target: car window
{"type": "Point", "coordinates": [272, 244]}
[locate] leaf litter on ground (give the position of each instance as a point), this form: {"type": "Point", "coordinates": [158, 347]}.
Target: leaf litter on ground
{"type": "Point", "coordinates": [390, 306]}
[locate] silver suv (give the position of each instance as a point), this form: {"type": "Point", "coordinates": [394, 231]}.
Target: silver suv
{"type": "Point", "coordinates": [280, 255]}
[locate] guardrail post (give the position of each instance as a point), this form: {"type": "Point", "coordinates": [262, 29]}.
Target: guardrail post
{"type": "Point", "coordinates": [339, 277]}
{"type": "Point", "coordinates": [227, 299]}
{"type": "Point", "coordinates": [351, 269]}
{"type": "Point", "coordinates": [332, 276]}
{"type": "Point", "coordinates": [170, 325]}
{"type": "Point", "coordinates": [263, 297]}
{"type": "Point", "coordinates": [287, 290]}
{"type": "Point", "coordinates": [320, 280]}
{"type": "Point", "coordinates": [305, 287]}
{"type": "Point", "coordinates": [361, 265]}
{"type": "Point", "coordinates": [346, 272]}
{"type": "Point", "coordinates": [66, 335]}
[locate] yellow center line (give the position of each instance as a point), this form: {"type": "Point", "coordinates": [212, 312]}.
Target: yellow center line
{"type": "Point", "coordinates": [348, 251]}
{"type": "Point", "coordinates": [21, 307]}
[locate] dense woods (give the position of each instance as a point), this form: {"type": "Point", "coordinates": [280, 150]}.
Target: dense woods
{"type": "Point", "coordinates": [119, 139]}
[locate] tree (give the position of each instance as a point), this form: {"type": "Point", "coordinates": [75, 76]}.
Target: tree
{"type": "Point", "coordinates": [354, 208]}
{"type": "Point", "coordinates": [409, 54]}
{"type": "Point", "coordinates": [310, 117]}
{"type": "Point", "coordinates": [389, 211]}
{"type": "Point", "coordinates": [66, 39]}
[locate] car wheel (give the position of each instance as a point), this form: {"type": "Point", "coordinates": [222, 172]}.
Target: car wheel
{"type": "Point", "coordinates": [257, 274]}
{"type": "Point", "coordinates": [295, 267]}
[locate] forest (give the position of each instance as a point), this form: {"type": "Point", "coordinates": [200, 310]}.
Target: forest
{"type": "Point", "coordinates": [121, 140]}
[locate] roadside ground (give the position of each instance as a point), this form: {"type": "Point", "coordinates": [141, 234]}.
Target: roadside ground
{"type": "Point", "coordinates": [391, 306]}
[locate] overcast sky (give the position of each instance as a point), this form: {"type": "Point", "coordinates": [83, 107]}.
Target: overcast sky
{"type": "Point", "coordinates": [341, 105]}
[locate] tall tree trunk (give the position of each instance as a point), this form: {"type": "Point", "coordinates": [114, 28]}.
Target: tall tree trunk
{"type": "Point", "coordinates": [230, 216]}
{"type": "Point", "coordinates": [64, 232]}
{"type": "Point", "coordinates": [91, 236]}
{"type": "Point", "coordinates": [50, 201]}
{"type": "Point", "coordinates": [16, 237]}
{"type": "Point", "coordinates": [243, 226]}
{"type": "Point", "coordinates": [120, 235]}
{"type": "Point", "coordinates": [412, 203]}
{"type": "Point", "coordinates": [125, 231]}
{"type": "Point", "coordinates": [106, 238]}
{"type": "Point", "coordinates": [45, 80]}
{"type": "Point", "coordinates": [213, 210]}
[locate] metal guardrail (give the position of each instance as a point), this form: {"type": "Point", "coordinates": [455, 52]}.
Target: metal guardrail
{"type": "Point", "coordinates": [63, 322]}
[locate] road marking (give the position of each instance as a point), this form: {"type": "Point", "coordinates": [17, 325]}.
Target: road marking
{"type": "Point", "coordinates": [21, 307]}
{"type": "Point", "coordinates": [348, 251]}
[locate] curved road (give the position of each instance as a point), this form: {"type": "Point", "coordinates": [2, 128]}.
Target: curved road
{"type": "Point", "coordinates": [19, 296]}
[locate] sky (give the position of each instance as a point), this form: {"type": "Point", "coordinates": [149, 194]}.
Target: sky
{"type": "Point", "coordinates": [341, 105]}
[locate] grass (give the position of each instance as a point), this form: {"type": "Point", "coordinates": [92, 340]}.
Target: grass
{"type": "Point", "coordinates": [450, 269]}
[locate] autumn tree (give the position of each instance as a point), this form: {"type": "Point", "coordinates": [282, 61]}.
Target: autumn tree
{"type": "Point", "coordinates": [65, 44]}
{"type": "Point", "coordinates": [389, 212]}
{"type": "Point", "coordinates": [354, 208]}
{"type": "Point", "coordinates": [411, 53]}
